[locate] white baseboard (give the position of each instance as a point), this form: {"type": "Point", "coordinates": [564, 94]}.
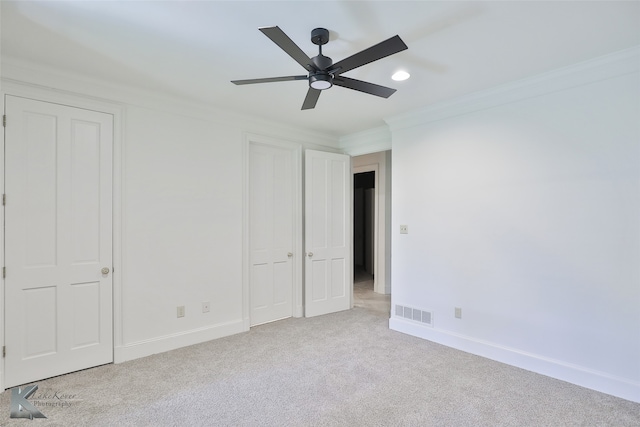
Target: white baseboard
{"type": "Point", "coordinates": [164, 343]}
{"type": "Point", "coordinates": [574, 374]}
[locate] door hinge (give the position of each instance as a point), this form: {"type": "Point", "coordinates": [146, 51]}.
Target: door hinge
{"type": "Point", "coordinates": [4, 351]}
{"type": "Point", "coordinates": [4, 199]}
{"type": "Point", "coordinates": [4, 120]}
{"type": "Point", "coordinates": [4, 272]}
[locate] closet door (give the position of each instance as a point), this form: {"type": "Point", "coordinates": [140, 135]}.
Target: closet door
{"type": "Point", "coordinates": [328, 233]}
{"type": "Point", "coordinates": [272, 234]}
{"type": "Point", "coordinates": [58, 241]}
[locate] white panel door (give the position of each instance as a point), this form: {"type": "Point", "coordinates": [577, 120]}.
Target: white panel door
{"type": "Point", "coordinates": [272, 222]}
{"type": "Point", "coordinates": [328, 237]}
{"type": "Point", "coordinates": [58, 303]}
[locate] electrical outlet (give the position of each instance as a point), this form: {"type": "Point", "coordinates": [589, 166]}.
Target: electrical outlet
{"type": "Point", "coordinates": [206, 307]}
{"type": "Point", "coordinates": [458, 313]}
{"type": "Point", "coordinates": [181, 311]}
{"type": "Point", "coordinates": [404, 229]}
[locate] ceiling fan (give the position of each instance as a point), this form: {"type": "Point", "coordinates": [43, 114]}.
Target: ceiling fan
{"type": "Point", "coordinates": [323, 73]}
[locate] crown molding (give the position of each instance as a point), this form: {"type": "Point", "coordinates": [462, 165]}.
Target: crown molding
{"type": "Point", "coordinates": [366, 142]}
{"type": "Point", "coordinates": [605, 67]}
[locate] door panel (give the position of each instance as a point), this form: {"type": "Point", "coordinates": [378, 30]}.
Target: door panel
{"type": "Point", "coordinates": [272, 222]}
{"type": "Point", "coordinates": [39, 187]}
{"type": "Point", "coordinates": [86, 320]}
{"type": "Point", "coordinates": [85, 192]}
{"type": "Point", "coordinates": [328, 202]}
{"type": "Point", "coordinates": [42, 338]}
{"type": "Point", "coordinates": [58, 216]}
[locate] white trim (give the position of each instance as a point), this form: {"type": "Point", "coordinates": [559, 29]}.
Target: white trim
{"type": "Point", "coordinates": [296, 149]}
{"type": "Point", "coordinates": [366, 142]}
{"type": "Point", "coordinates": [164, 343]}
{"type": "Point", "coordinates": [2, 280]}
{"type": "Point", "coordinates": [118, 113]}
{"type": "Point", "coordinates": [388, 228]}
{"type": "Point", "coordinates": [246, 264]}
{"type": "Point", "coordinates": [350, 233]}
{"type": "Point", "coordinates": [605, 67]}
{"type": "Point", "coordinates": [574, 374]}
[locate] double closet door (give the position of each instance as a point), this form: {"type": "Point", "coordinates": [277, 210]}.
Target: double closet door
{"type": "Point", "coordinates": [275, 210]}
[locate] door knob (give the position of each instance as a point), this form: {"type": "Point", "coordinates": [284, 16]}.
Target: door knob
{"type": "Point", "coordinates": [105, 270]}
{"type": "Point", "coordinates": [289, 254]}
{"type": "Point", "coordinates": [310, 254]}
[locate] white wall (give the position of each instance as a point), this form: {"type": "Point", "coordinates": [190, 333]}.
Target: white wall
{"type": "Point", "coordinates": [183, 224]}
{"type": "Point", "coordinates": [524, 211]}
{"type": "Point", "coordinates": [179, 207]}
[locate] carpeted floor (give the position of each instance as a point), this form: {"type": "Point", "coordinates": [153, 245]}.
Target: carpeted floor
{"type": "Point", "coordinates": [343, 369]}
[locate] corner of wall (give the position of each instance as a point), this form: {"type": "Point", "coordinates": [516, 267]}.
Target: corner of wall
{"type": "Point", "coordinates": [366, 142]}
{"type": "Point", "coordinates": [389, 221]}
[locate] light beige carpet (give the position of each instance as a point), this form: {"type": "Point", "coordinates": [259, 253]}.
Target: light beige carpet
{"type": "Point", "coordinates": [343, 369]}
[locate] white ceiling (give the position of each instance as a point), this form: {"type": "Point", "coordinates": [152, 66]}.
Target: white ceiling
{"type": "Point", "coordinates": [193, 49]}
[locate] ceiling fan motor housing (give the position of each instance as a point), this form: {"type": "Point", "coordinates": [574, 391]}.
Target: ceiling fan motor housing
{"type": "Point", "coordinates": [322, 62]}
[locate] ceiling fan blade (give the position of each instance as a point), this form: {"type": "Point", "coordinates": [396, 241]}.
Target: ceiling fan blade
{"type": "Point", "coordinates": [365, 87]}
{"type": "Point", "coordinates": [379, 51]}
{"type": "Point", "coordinates": [269, 80]}
{"type": "Point", "coordinates": [311, 99]}
{"type": "Point", "coordinates": [281, 39]}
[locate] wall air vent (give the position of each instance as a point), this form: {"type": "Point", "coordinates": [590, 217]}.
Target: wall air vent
{"type": "Point", "coordinates": [399, 310]}
{"type": "Point", "coordinates": [414, 314]}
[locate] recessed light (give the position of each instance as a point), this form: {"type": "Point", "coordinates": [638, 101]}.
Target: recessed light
{"type": "Point", "coordinates": [400, 76]}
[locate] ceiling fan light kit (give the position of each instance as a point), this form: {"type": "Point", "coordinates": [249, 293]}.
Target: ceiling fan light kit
{"type": "Point", "coordinates": [320, 81]}
{"type": "Point", "coordinates": [323, 73]}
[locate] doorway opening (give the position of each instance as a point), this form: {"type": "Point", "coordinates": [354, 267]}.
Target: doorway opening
{"type": "Point", "coordinates": [372, 230]}
{"type": "Point", "coordinates": [364, 228]}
